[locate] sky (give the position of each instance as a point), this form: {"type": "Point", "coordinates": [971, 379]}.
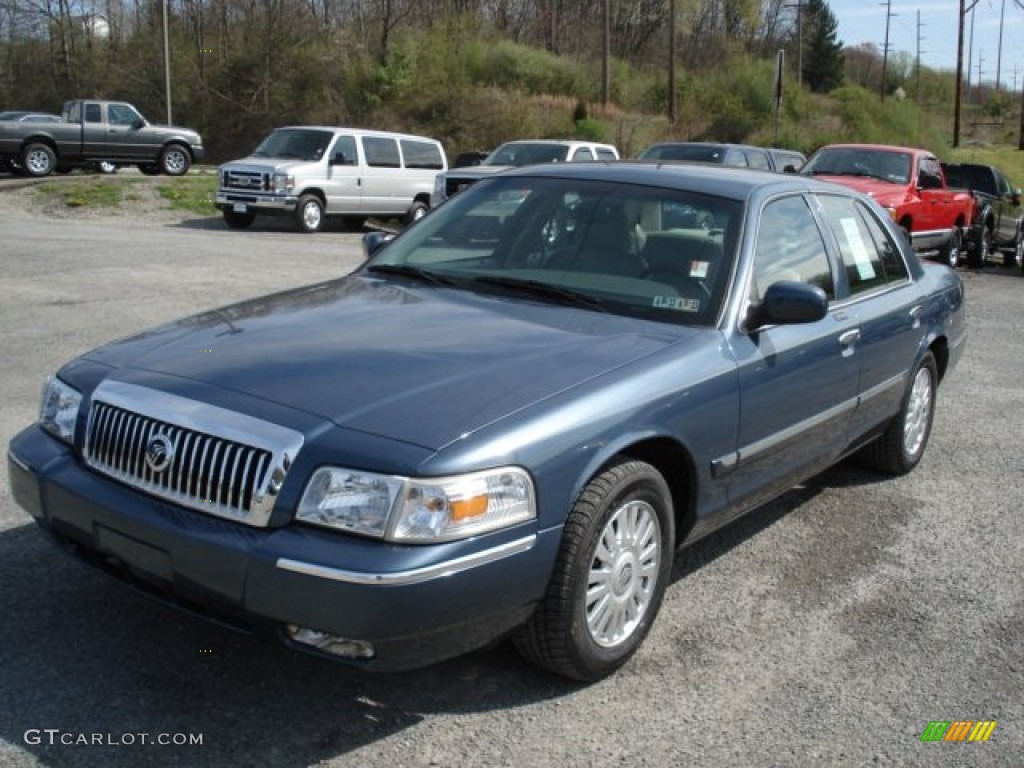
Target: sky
{"type": "Point", "coordinates": [863, 21]}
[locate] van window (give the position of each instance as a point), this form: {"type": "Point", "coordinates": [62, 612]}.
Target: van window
{"type": "Point", "coordinates": [583, 155]}
{"type": "Point", "coordinates": [345, 151]}
{"type": "Point", "coordinates": [381, 153]}
{"type": "Point", "coordinates": [605, 154]}
{"type": "Point", "coordinates": [422, 154]}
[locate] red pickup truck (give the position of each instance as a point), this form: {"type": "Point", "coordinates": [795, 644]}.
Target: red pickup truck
{"type": "Point", "coordinates": [910, 185]}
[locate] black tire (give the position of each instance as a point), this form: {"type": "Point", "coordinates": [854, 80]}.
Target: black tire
{"type": "Point", "coordinates": [617, 543]}
{"type": "Point", "coordinates": [900, 448]}
{"type": "Point", "coordinates": [309, 213]}
{"type": "Point", "coordinates": [149, 169]}
{"type": "Point", "coordinates": [175, 160]}
{"type": "Point", "coordinates": [38, 160]}
{"type": "Point", "coordinates": [982, 249]}
{"type": "Point", "coordinates": [1014, 255]}
{"type": "Point", "coordinates": [237, 220]}
{"type": "Point", "coordinates": [950, 253]}
{"type": "Point", "coordinates": [416, 212]}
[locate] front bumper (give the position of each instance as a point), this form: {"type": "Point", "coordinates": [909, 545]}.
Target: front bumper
{"type": "Point", "coordinates": [416, 604]}
{"type": "Point", "coordinates": [250, 202]}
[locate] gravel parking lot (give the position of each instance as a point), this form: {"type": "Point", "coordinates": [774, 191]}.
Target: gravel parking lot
{"type": "Point", "coordinates": [827, 628]}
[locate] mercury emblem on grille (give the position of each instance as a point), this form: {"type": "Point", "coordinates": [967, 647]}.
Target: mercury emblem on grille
{"type": "Point", "coordinates": [159, 452]}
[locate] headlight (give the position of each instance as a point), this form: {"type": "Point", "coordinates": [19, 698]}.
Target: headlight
{"type": "Point", "coordinates": [59, 409]}
{"type": "Point", "coordinates": [417, 509]}
{"type": "Point", "coordinates": [283, 183]}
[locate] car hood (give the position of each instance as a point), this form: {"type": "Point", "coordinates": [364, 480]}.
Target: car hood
{"type": "Point", "coordinates": [477, 171]}
{"type": "Point", "coordinates": [265, 164]}
{"type": "Point", "coordinates": [883, 191]}
{"type": "Point", "coordinates": [418, 364]}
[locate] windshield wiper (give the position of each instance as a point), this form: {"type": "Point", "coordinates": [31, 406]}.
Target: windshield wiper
{"type": "Point", "coordinates": [543, 290]}
{"type": "Point", "coordinates": [417, 273]}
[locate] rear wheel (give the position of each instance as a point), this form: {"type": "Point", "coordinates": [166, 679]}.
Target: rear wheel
{"type": "Point", "coordinates": [609, 578]}
{"type": "Point", "coordinates": [38, 160]}
{"type": "Point", "coordinates": [416, 212]}
{"type": "Point", "coordinates": [309, 214]}
{"type": "Point", "coordinates": [902, 445]}
{"type": "Point", "coordinates": [237, 220]}
{"type": "Point", "coordinates": [1014, 256]}
{"type": "Point", "coordinates": [982, 248]}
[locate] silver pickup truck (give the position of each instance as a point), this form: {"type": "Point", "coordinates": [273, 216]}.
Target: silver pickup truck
{"type": "Point", "coordinates": [92, 130]}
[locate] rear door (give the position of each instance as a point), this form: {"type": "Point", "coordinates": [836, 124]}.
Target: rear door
{"type": "Point", "coordinates": [798, 383]}
{"type": "Point", "coordinates": [886, 305]}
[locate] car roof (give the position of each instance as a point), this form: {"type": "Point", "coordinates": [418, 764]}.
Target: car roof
{"type": "Point", "coordinates": [358, 131]}
{"type": "Point", "coordinates": [717, 180]}
{"type": "Point", "coordinates": [560, 142]}
{"type": "Point", "coordinates": [881, 147]}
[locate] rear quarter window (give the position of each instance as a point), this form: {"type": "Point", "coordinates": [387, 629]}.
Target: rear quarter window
{"type": "Point", "coordinates": [422, 154]}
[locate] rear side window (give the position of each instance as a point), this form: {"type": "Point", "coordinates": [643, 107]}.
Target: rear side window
{"type": "Point", "coordinates": [582, 155]}
{"type": "Point", "coordinates": [606, 154]}
{"type": "Point", "coordinates": [871, 258]}
{"type": "Point", "coordinates": [92, 113]}
{"type": "Point", "coordinates": [422, 154]}
{"type": "Point", "coordinates": [381, 152]}
{"type": "Point", "coordinates": [756, 159]}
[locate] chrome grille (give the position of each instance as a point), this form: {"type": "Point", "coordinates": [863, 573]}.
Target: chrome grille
{"type": "Point", "coordinates": [245, 181]}
{"type": "Point", "coordinates": [191, 453]}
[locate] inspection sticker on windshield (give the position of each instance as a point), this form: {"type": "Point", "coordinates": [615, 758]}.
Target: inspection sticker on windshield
{"type": "Point", "coordinates": [698, 269]}
{"type": "Point", "coordinates": [677, 302]}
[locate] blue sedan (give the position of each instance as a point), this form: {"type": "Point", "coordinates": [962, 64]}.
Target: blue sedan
{"type": "Point", "coordinates": [507, 421]}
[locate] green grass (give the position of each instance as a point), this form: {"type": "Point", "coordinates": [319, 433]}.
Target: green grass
{"type": "Point", "coordinates": [192, 193]}
{"type": "Point", "coordinates": [86, 193]}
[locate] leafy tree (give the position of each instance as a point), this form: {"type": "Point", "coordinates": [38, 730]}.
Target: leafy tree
{"type": "Point", "coordinates": [823, 53]}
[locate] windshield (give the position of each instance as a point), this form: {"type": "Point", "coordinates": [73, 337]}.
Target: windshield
{"type": "Point", "coordinates": [884, 165]}
{"type": "Point", "coordinates": [527, 154]}
{"type": "Point", "coordinates": [657, 253]}
{"type": "Point", "coordinates": [693, 153]}
{"type": "Point", "coordinates": [307, 144]}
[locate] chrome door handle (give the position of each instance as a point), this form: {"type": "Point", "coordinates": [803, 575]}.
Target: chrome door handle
{"type": "Point", "coordinates": [848, 340]}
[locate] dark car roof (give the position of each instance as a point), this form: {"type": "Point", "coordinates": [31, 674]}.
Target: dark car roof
{"type": "Point", "coordinates": [721, 181]}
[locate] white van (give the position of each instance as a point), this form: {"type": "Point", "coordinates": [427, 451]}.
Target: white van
{"type": "Point", "coordinates": [310, 172]}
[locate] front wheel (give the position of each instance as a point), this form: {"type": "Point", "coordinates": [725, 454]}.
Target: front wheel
{"type": "Point", "coordinates": [902, 445]}
{"type": "Point", "coordinates": [175, 160]}
{"type": "Point", "coordinates": [950, 254]}
{"type": "Point", "coordinates": [610, 576]}
{"type": "Point", "coordinates": [38, 160]}
{"type": "Point", "coordinates": [1014, 256]}
{"type": "Point", "coordinates": [309, 214]}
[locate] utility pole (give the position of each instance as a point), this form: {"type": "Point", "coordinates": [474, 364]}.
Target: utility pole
{"type": "Point", "coordinates": [673, 105]}
{"type": "Point", "coordinates": [999, 50]}
{"type": "Point", "coordinates": [799, 5]}
{"type": "Point", "coordinates": [167, 67]}
{"type": "Point", "coordinates": [606, 84]}
{"type": "Point", "coordinates": [885, 48]}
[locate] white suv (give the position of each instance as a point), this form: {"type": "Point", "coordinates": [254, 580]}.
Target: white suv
{"type": "Point", "coordinates": [514, 154]}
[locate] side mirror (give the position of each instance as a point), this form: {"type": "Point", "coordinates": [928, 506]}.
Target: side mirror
{"type": "Point", "coordinates": [374, 241]}
{"type": "Point", "coordinates": [340, 158]}
{"type": "Point", "coordinates": [787, 303]}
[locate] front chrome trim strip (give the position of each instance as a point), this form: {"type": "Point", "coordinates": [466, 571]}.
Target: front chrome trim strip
{"type": "Point", "coordinates": [414, 576]}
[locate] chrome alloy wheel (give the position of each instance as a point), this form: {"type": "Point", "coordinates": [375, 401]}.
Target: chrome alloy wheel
{"type": "Point", "coordinates": [623, 574]}
{"type": "Point", "coordinates": [311, 216]}
{"type": "Point", "coordinates": [919, 413]}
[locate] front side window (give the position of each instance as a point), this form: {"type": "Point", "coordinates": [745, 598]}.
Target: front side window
{"type": "Point", "coordinates": [647, 252]}
{"type": "Point", "coordinates": [345, 151]}
{"type": "Point", "coordinates": [871, 258]}
{"type": "Point", "coordinates": [121, 114]}
{"type": "Point", "coordinates": [789, 247]}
